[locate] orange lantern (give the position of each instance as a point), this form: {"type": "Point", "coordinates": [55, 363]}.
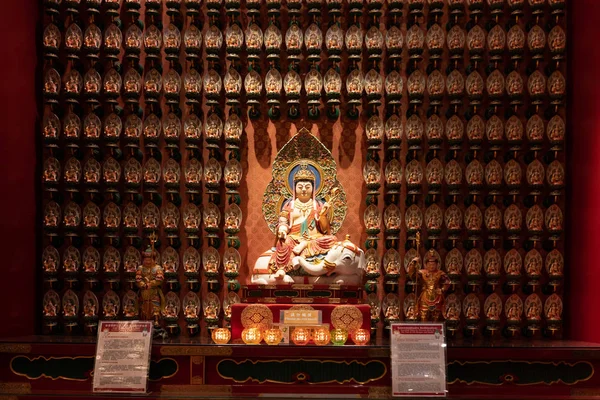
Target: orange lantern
{"type": "Point", "coordinates": [339, 336]}
{"type": "Point", "coordinates": [301, 336]}
{"type": "Point", "coordinates": [361, 337]}
{"type": "Point", "coordinates": [273, 336]}
{"type": "Point", "coordinates": [251, 336]}
{"type": "Point", "coordinates": [321, 336]}
{"type": "Point", "coordinates": [221, 335]}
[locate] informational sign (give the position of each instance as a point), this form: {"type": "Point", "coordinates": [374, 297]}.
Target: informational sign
{"type": "Point", "coordinates": [122, 356]}
{"type": "Point", "coordinates": [418, 360]}
{"type": "Point", "coordinates": [300, 317]}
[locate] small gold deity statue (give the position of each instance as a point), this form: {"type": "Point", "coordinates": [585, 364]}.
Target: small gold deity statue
{"type": "Point", "coordinates": [110, 309]}
{"type": "Point", "coordinates": [553, 313]}
{"type": "Point", "coordinates": [303, 228]}
{"type": "Point", "coordinates": [452, 313]}
{"type": "Point", "coordinates": [149, 278]}
{"type": "Point", "coordinates": [492, 312]}
{"type": "Point", "coordinates": [69, 309]}
{"type": "Point", "coordinates": [533, 312]}
{"type": "Point", "coordinates": [434, 284]}
{"type": "Point", "coordinates": [211, 264]}
{"type": "Point", "coordinates": [232, 221]}
{"type": "Point", "coordinates": [372, 266]}
{"type": "Point", "coordinates": [472, 311]}
{"type": "Point", "coordinates": [393, 267]}
{"type": "Point", "coordinates": [129, 309]}
{"type": "Point", "coordinates": [411, 312]}
{"type": "Point", "coordinates": [513, 313]}
{"type": "Point", "coordinates": [49, 309]}
{"type": "Point", "coordinates": [170, 310]}
{"type": "Point", "coordinates": [191, 310]}
{"type": "Point", "coordinates": [210, 311]}
{"type": "Point", "coordinates": [392, 312]}
{"type": "Point", "coordinates": [89, 309]}
{"type": "Point", "coordinates": [231, 265]}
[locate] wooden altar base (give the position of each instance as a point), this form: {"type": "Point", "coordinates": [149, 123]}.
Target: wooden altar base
{"type": "Point", "coordinates": [41, 367]}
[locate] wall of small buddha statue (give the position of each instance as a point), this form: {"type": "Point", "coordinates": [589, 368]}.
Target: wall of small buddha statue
{"type": "Point", "coordinates": [161, 120]}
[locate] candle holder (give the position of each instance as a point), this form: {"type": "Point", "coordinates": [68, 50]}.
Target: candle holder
{"type": "Point", "coordinates": [339, 336]}
{"type": "Point", "coordinates": [223, 335]}
{"type": "Point", "coordinates": [300, 336]}
{"type": "Point", "coordinates": [361, 337]}
{"type": "Point", "coordinates": [321, 336]}
{"type": "Point", "coordinates": [273, 336]}
{"type": "Point", "coordinates": [251, 336]}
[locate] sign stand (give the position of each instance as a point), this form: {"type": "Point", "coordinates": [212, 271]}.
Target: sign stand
{"type": "Point", "coordinates": [418, 353]}
{"type": "Point", "coordinates": [122, 357]}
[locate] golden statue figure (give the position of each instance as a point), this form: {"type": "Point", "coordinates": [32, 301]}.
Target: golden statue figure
{"type": "Point", "coordinates": [149, 279]}
{"type": "Point", "coordinates": [303, 228]}
{"type": "Point", "coordinates": [433, 284]}
{"type": "Point", "coordinates": [304, 206]}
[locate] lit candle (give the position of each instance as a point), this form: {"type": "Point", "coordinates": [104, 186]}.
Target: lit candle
{"type": "Point", "coordinates": [339, 336]}
{"type": "Point", "coordinates": [300, 336]}
{"type": "Point", "coordinates": [221, 335]}
{"type": "Point", "coordinates": [321, 336]}
{"type": "Point", "coordinates": [361, 337]}
{"type": "Point", "coordinates": [251, 336]}
{"type": "Point", "coordinates": [273, 336]}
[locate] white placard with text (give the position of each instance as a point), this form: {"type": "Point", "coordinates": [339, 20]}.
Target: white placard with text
{"type": "Point", "coordinates": [418, 353]}
{"type": "Point", "coordinates": [122, 356]}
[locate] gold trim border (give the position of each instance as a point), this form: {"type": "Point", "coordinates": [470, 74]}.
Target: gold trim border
{"type": "Point", "coordinates": [22, 348]}
{"type": "Point", "coordinates": [15, 388]}
{"type": "Point", "coordinates": [555, 363]}
{"type": "Point", "coordinates": [380, 392]}
{"type": "Point", "coordinates": [255, 362]}
{"type": "Point", "coordinates": [195, 351]}
{"type": "Point", "coordinates": [195, 389]}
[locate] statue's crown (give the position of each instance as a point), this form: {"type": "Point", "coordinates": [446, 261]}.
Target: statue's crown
{"type": "Point", "coordinates": [304, 174]}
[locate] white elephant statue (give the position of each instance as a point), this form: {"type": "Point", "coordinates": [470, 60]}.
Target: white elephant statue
{"type": "Point", "coordinates": [344, 264]}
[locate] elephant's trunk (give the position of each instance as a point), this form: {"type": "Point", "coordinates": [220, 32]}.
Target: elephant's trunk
{"type": "Point", "coordinates": [313, 269]}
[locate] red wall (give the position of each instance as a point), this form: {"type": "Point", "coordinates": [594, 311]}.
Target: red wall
{"type": "Point", "coordinates": [18, 161]}
{"type": "Point", "coordinates": [18, 113]}
{"type": "Point", "coordinates": [583, 155]}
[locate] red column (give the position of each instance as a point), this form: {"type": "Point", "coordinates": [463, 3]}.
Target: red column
{"type": "Point", "coordinates": [583, 173]}
{"type": "Point", "coordinates": [18, 161]}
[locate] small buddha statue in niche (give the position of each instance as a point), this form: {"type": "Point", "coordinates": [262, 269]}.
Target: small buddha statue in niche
{"type": "Point", "coordinates": [89, 309]}
{"type": "Point", "coordinates": [210, 311]}
{"type": "Point", "coordinates": [129, 309]}
{"type": "Point", "coordinates": [69, 309]}
{"type": "Point", "coordinates": [191, 310]}
{"type": "Point", "coordinates": [110, 309]}
{"type": "Point", "coordinates": [231, 265]}
{"type": "Point", "coordinates": [211, 263]}
{"type": "Point", "coordinates": [452, 313]}
{"type": "Point", "coordinates": [513, 313]}
{"type": "Point", "coordinates": [553, 313]}
{"type": "Point", "coordinates": [533, 312]}
{"type": "Point", "coordinates": [392, 312]}
{"type": "Point", "coordinates": [170, 310]}
{"type": "Point", "coordinates": [232, 221]}
{"type": "Point", "coordinates": [492, 312]}
{"type": "Point", "coordinates": [472, 311]}
{"type": "Point", "coordinates": [411, 312]}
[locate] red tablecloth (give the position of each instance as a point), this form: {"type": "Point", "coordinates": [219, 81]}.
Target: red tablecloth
{"type": "Point", "coordinates": [343, 316]}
